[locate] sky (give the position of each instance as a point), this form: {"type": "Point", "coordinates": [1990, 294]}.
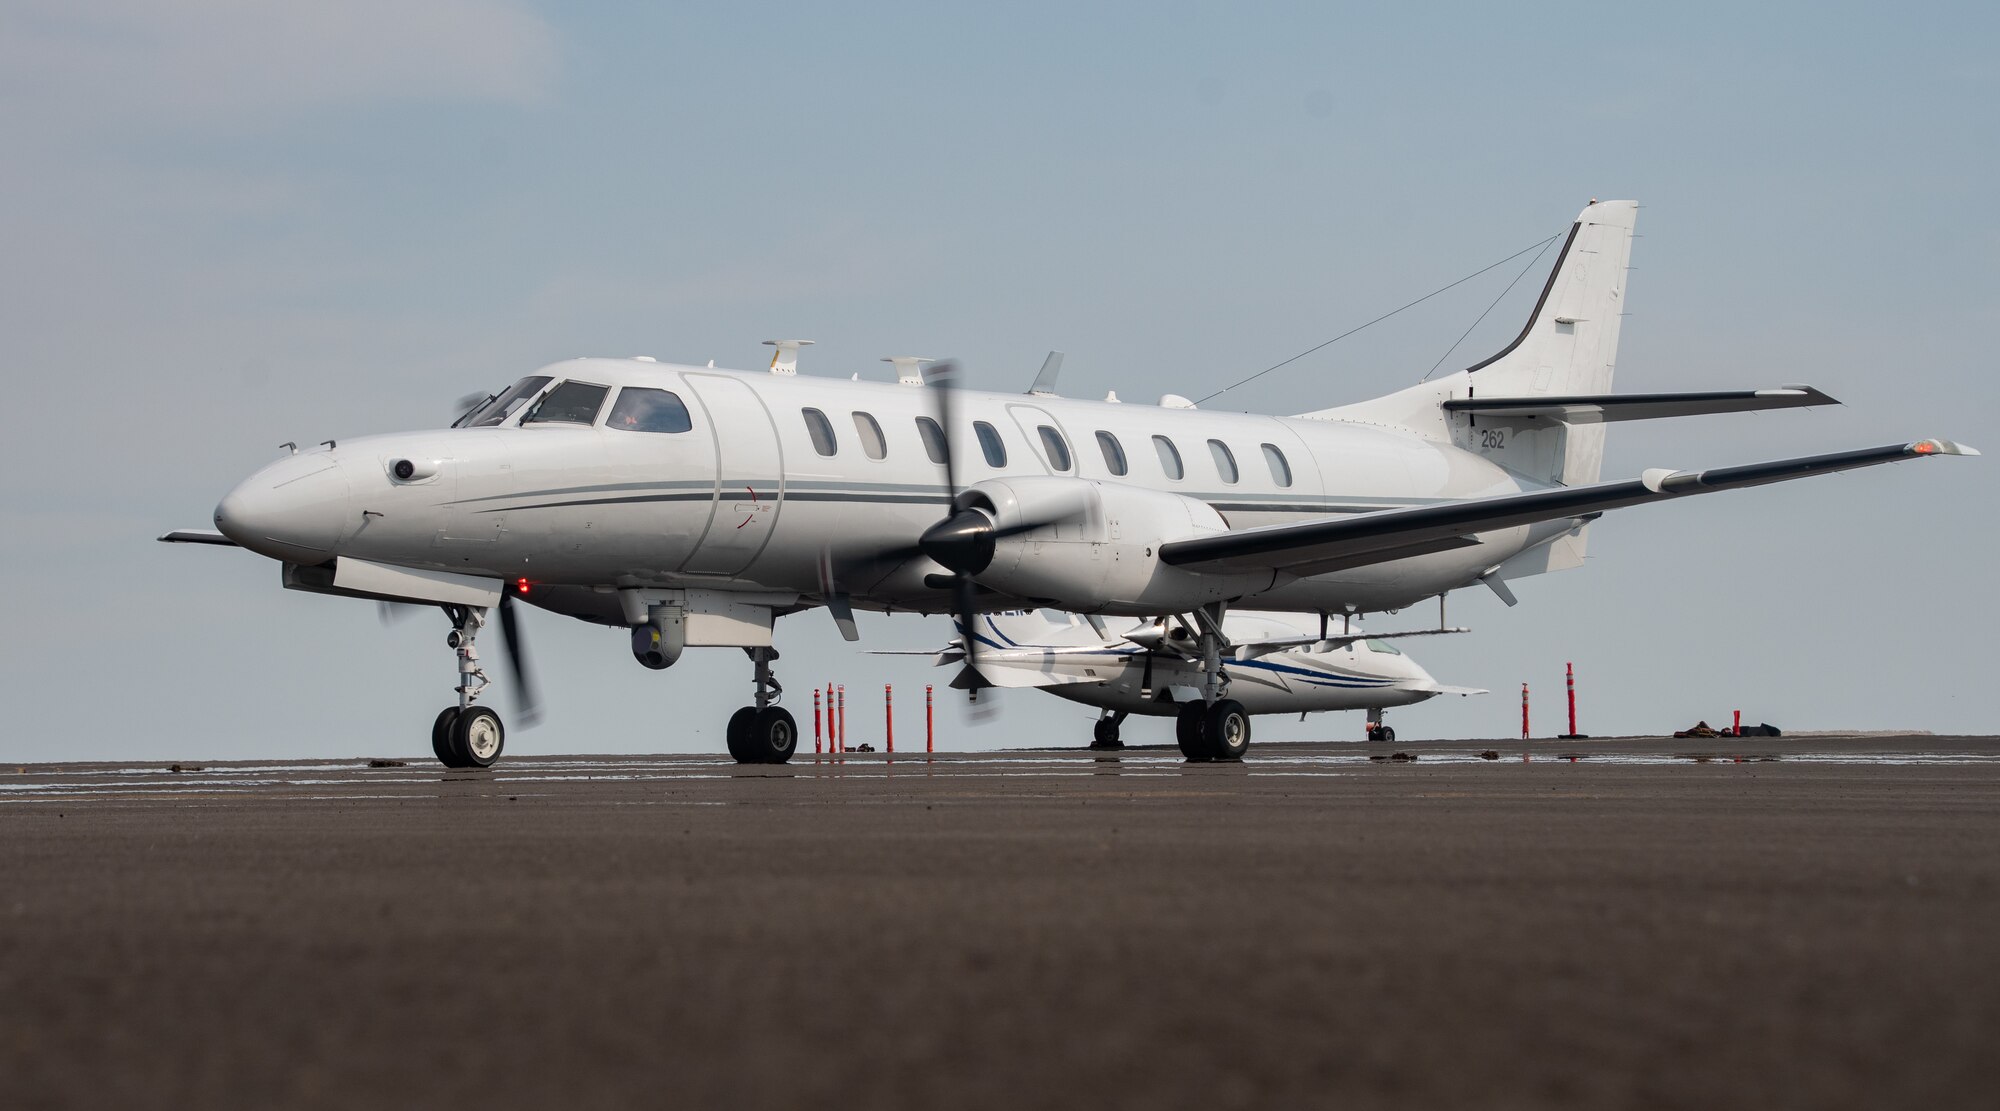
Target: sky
{"type": "Point", "coordinates": [232, 224]}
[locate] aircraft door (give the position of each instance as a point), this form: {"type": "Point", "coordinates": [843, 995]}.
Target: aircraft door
{"type": "Point", "coordinates": [750, 475]}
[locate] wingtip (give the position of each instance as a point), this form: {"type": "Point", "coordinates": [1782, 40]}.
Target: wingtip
{"type": "Point", "coordinates": [1941, 447]}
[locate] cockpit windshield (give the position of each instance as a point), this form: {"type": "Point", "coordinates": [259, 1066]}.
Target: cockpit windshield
{"type": "Point", "coordinates": [504, 404]}
{"type": "Point", "coordinates": [570, 403]}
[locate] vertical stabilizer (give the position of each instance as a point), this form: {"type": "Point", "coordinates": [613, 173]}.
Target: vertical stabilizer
{"type": "Point", "coordinates": [1569, 347]}
{"type": "Point", "coordinates": [1570, 344]}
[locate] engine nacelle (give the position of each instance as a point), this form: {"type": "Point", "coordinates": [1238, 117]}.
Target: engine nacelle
{"type": "Point", "coordinates": [1102, 553]}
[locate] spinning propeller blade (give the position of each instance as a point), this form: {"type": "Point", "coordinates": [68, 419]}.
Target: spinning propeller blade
{"type": "Point", "coordinates": [517, 662]}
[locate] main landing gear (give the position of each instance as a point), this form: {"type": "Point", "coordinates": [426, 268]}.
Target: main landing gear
{"type": "Point", "coordinates": [1376, 730]}
{"type": "Point", "coordinates": [467, 736]}
{"type": "Point", "coordinates": [1104, 735]}
{"type": "Point", "coordinates": [764, 733]}
{"type": "Point", "coordinates": [1215, 728]}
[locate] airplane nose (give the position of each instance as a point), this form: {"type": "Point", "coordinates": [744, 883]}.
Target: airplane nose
{"type": "Point", "coordinates": [295, 509]}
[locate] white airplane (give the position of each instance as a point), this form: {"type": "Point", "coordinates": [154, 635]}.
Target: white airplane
{"type": "Point", "coordinates": [695, 506]}
{"type": "Point", "coordinates": [1276, 665]}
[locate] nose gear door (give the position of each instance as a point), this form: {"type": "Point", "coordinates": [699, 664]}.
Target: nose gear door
{"type": "Point", "coordinates": [750, 475]}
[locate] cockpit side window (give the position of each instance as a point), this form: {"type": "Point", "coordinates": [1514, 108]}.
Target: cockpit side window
{"type": "Point", "coordinates": [503, 404]}
{"type": "Point", "coordinates": [569, 403]}
{"type": "Point", "coordinates": [642, 409]}
{"type": "Point", "coordinates": [1383, 647]}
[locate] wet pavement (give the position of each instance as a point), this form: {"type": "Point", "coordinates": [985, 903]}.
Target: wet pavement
{"type": "Point", "coordinates": [1794, 922]}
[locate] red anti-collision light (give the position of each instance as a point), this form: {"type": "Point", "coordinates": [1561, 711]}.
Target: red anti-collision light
{"type": "Point", "coordinates": [521, 585]}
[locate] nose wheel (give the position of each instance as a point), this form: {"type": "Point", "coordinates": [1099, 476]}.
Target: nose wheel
{"type": "Point", "coordinates": [465, 735]}
{"type": "Point", "coordinates": [469, 737]}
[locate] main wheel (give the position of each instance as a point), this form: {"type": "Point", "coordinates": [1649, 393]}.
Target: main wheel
{"type": "Point", "coordinates": [477, 737]}
{"type": "Point", "coordinates": [1387, 733]}
{"type": "Point", "coordinates": [441, 738]}
{"type": "Point", "coordinates": [1190, 729]}
{"type": "Point", "coordinates": [773, 736]}
{"type": "Point", "coordinates": [738, 734]}
{"type": "Point", "coordinates": [1105, 734]}
{"type": "Point", "coordinates": [1227, 729]}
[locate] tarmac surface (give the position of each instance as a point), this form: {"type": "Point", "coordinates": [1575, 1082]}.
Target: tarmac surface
{"type": "Point", "coordinates": [1793, 922]}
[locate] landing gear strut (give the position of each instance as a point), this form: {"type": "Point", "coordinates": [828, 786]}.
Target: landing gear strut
{"type": "Point", "coordinates": [467, 736]}
{"type": "Point", "coordinates": [764, 733]}
{"type": "Point", "coordinates": [1215, 728]}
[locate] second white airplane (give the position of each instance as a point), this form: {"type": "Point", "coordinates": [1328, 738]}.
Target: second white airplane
{"type": "Point", "coordinates": [1277, 664]}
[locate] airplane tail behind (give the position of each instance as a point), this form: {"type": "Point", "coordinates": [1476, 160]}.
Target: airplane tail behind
{"type": "Point", "coordinates": [1569, 348]}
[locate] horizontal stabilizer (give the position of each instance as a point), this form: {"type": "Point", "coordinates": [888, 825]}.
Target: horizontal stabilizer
{"type": "Point", "coordinates": [1606, 408]}
{"type": "Point", "coordinates": [1384, 533]}
{"type": "Point", "coordinates": [198, 536]}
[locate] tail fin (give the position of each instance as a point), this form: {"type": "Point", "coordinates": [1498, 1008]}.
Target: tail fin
{"type": "Point", "coordinates": [1569, 347]}
{"type": "Point", "coordinates": [1570, 344]}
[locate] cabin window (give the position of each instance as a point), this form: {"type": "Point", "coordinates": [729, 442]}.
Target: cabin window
{"type": "Point", "coordinates": [872, 443]}
{"type": "Point", "coordinates": [1114, 453]}
{"type": "Point", "coordinates": [499, 407]}
{"type": "Point", "coordinates": [1058, 451]}
{"type": "Point", "coordinates": [1281, 471]}
{"type": "Point", "coordinates": [569, 403]}
{"type": "Point", "coordinates": [934, 441]}
{"type": "Point", "coordinates": [641, 409]}
{"type": "Point", "coordinates": [1170, 458]}
{"type": "Point", "coordinates": [990, 444]}
{"type": "Point", "coordinates": [821, 430]}
{"type": "Point", "coordinates": [1225, 461]}
{"type": "Point", "coordinates": [1384, 647]}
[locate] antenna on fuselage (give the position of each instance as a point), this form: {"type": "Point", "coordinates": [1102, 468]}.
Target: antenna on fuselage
{"type": "Point", "coordinates": [909, 368]}
{"type": "Point", "coordinates": [785, 360]}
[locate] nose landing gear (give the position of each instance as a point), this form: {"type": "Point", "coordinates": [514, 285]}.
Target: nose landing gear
{"type": "Point", "coordinates": [764, 733]}
{"type": "Point", "coordinates": [467, 736]}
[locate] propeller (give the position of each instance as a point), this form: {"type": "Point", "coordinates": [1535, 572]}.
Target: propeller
{"type": "Point", "coordinates": [962, 543]}
{"type": "Point", "coordinates": [527, 700]}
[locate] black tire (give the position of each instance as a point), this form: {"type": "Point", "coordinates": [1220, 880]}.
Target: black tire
{"type": "Point", "coordinates": [1227, 730]}
{"type": "Point", "coordinates": [1388, 734]}
{"type": "Point", "coordinates": [1105, 734]}
{"type": "Point", "coordinates": [441, 738]}
{"type": "Point", "coordinates": [738, 735]}
{"type": "Point", "coordinates": [774, 736]}
{"type": "Point", "coordinates": [477, 737]}
{"type": "Point", "coordinates": [1191, 730]}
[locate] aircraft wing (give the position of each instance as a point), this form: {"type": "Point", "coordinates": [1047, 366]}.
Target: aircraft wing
{"type": "Point", "coordinates": [197, 536]}
{"type": "Point", "coordinates": [1359, 539]}
{"type": "Point", "coordinates": [1252, 649]}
